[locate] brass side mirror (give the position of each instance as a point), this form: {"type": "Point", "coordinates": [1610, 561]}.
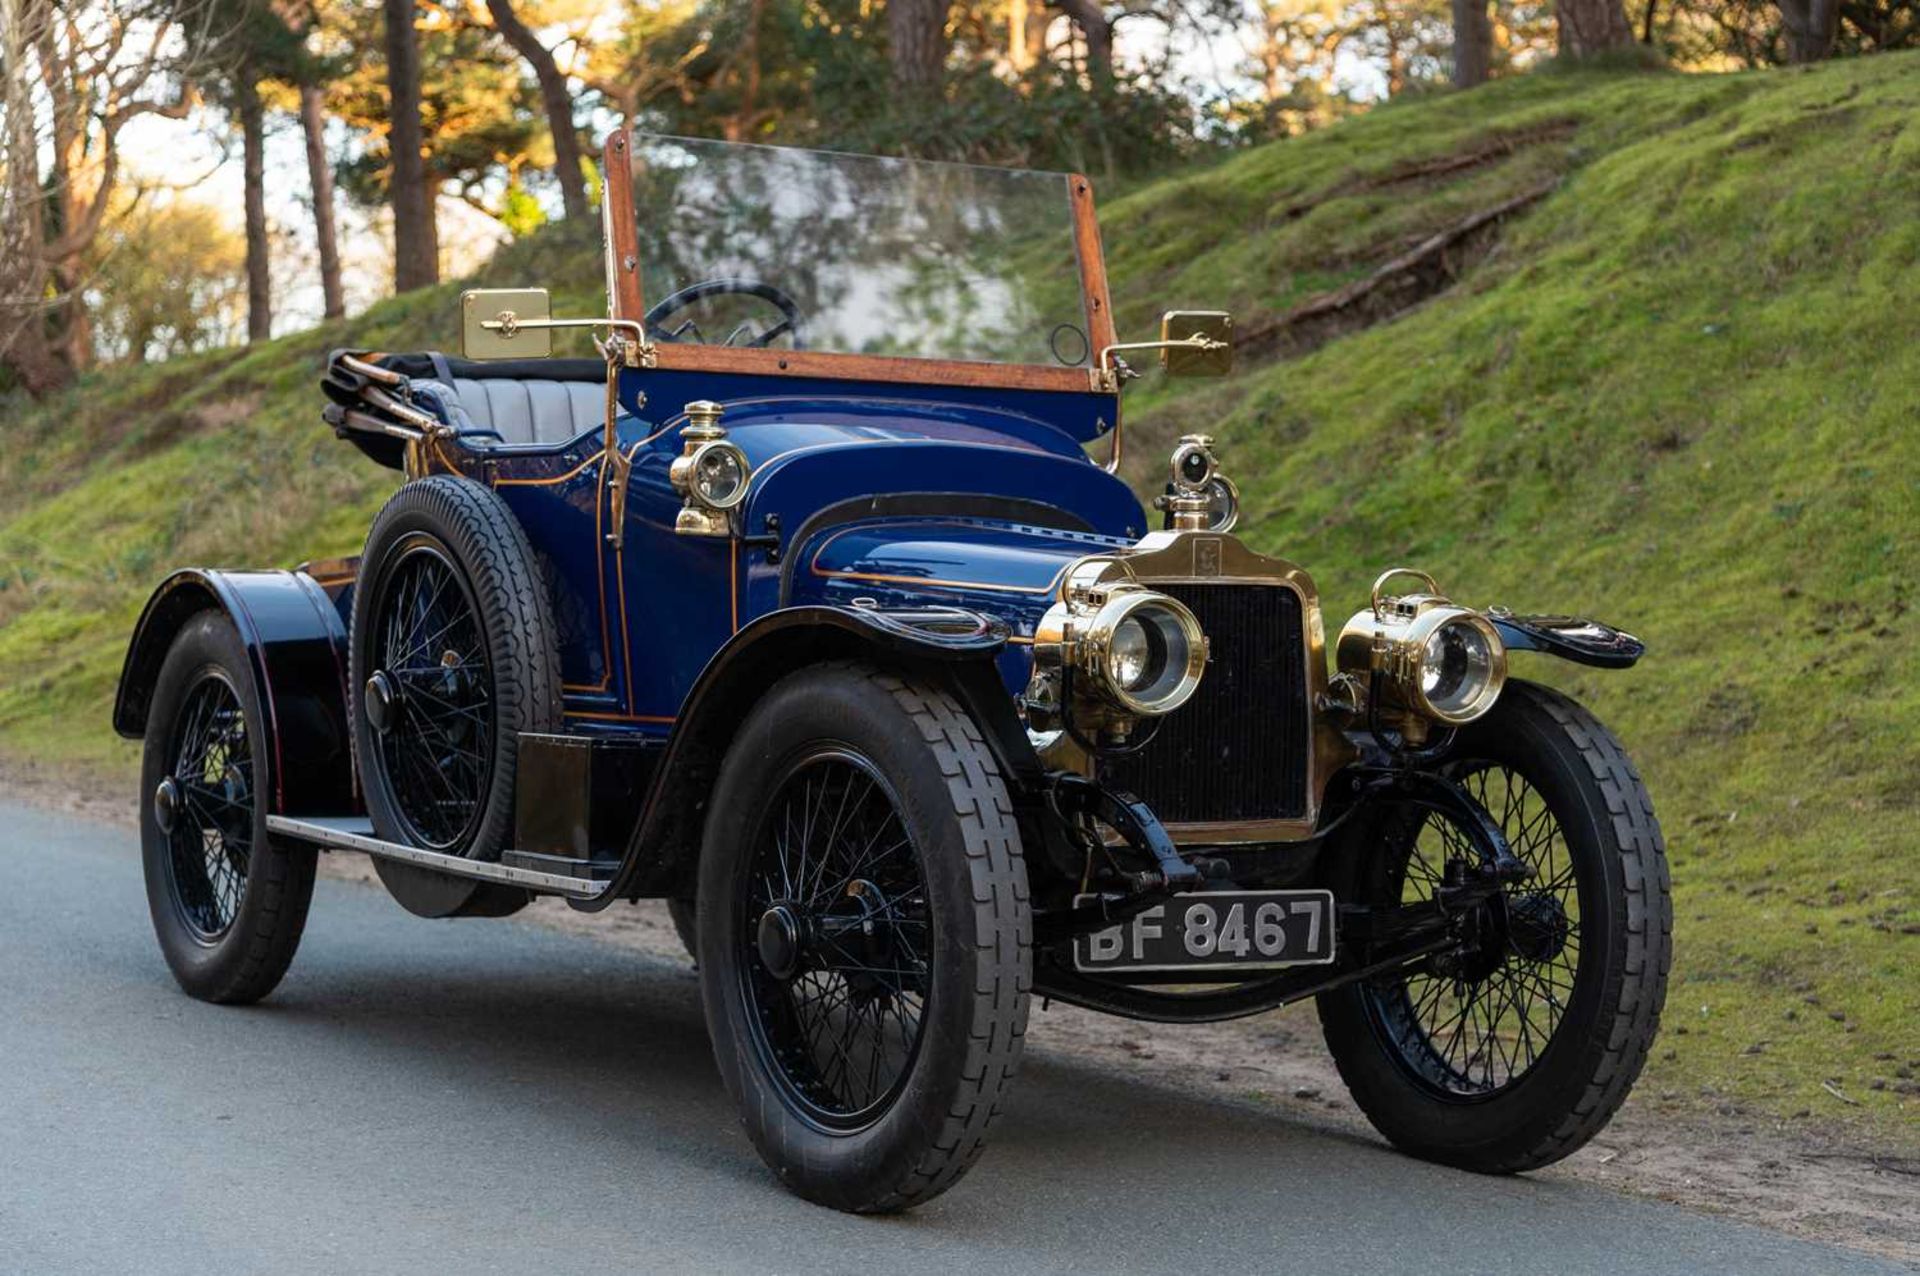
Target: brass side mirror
{"type": "Point", "coordinates": [1182, 356]}
{"type": "Point", "coordinates": [492, 319]}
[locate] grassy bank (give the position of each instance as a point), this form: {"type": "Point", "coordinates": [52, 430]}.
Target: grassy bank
{"type": "Point", "coordinates": [1675, 385]}
{"type": "Point", "coordinates": [1680, 392]}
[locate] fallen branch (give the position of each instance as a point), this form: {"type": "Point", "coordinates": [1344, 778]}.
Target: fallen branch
{"type": "Point", "coordinates": [1407, 268]}
{"type": "Point", "coordinates": [1495, 148]}
{"type": "Point", "coordinates": [1834, 1090]}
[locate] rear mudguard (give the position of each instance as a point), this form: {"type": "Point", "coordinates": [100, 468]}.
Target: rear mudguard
{"type": "Point", "coordinates": [1584, 642]}
{"type": "Point", "coordinates": [951, 647]}
{"type": "Point", "coordinates": [297, 646]}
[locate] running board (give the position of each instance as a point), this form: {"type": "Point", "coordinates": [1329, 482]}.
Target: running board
{"type": "Point", "coordinates": [355, 833]}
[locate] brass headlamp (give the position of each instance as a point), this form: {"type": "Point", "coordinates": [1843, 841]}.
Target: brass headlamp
{"type": "Point", "coordinates": [711, 474]}
{"type": "Point", "coordinates": [1131, 651]}
{"type": "Point", "coordinates": [1435, 660]}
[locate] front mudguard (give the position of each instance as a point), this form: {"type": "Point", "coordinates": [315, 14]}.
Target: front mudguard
{"type": "Point", "coordinates": [1575, 638]}
{"type": "Point", "coordinates": [953, 648]}
{"type": "Point", "coordinates": [297, 649]}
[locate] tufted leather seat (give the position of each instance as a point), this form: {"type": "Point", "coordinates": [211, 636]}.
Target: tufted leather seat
{"type": "Point", "coordinates": [524, 401]}
{"type": "Point", "coordinates": [521, 410]}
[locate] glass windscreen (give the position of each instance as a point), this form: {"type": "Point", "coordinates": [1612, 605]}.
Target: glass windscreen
{"type": "Point", "coordinates": [856, 254]}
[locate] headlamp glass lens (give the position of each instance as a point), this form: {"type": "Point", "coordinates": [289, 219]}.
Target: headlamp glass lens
{"type": "Point", "coordinates": [1194, 467]}
{"type": "Point", "coordinates": [1148, 656]}
{"type": "Point", "coordinates": [1455, 667]}
{"type": "Point", "coordinates": [718, 474]}
{"type": "Point", "coordinates": [1133, 655]}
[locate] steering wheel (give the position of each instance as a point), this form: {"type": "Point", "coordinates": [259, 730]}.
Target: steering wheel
{"type": "Point", "coordinates": [655, 318]}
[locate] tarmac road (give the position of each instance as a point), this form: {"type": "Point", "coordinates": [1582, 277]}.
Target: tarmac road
{"type": "Point", "coordinates": [493, 1096]}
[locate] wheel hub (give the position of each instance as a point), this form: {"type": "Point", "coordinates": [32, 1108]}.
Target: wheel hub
{"type": "Point", "coordinates": [779, 942]}
{"type": "Point", "coordinates": [382, 700]}
{"type": "Point", "coordinates": [166, 804]}
{"type": "Point", "coordinates": [1537, 926]}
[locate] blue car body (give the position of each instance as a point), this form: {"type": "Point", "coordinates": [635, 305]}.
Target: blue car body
{"type": "Point", "coordinates": [1007, 498]}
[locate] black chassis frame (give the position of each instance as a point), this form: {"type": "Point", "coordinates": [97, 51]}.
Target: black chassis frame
{"type": "Point", "coordinates": [297, 648]}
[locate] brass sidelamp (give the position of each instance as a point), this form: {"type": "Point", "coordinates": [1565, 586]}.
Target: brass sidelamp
{"type": "Point", "coordinates": [711, 474]}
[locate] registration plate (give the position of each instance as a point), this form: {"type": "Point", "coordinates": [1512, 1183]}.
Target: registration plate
{"type": "Point", "coordinates": [1212, 930]}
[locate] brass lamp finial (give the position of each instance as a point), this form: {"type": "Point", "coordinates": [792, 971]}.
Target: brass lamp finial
{"type": "Point", "coordinates": [703, 420]}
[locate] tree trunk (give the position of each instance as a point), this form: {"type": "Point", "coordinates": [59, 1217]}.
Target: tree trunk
{"type": "Point", "coordinates": [320, 174]}
{"type": "Point", "coordinates": [416, 242]}
{"type": "Point", "coordinates": [555, 98]}
{"type": "Point", "coordinates": [738, 126]}
{"type": "Point", "coordinates": [1027, 23]}
{"type": "Point", "coordinates": [917, 45]}
{"type": "Point", "coordinates": [33, 361]}
{"type": "Point", "coordinates": [24, 349]}
{"type": "Point", "coordinates": [1811, 27]}
{"type": "Point", "coordinates": [1090, 19]}
{"type": "Point", "coordinates": [1472, 43]}
{"type": "Point", "coordinates": [75, 341]}
{"type": "Point", "coordinates": [1646, 23]}
{"type": "Point", "coordinates": [253, 140]}
{"type": "Point", "coordinates": [1588, 27]}
{"type": "Point", "coordinates": [1020, 57]}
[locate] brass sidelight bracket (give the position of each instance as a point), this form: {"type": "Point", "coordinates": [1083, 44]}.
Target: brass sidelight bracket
{"type": "Point", "coordinates": [618, 351]}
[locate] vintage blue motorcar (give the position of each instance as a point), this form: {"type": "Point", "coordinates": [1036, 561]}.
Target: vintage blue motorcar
{"type": "Point", "coordinates": [814, 606]}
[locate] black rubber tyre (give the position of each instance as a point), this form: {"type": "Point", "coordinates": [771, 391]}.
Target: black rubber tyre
{"type": "Point", "coordinates": [1539, 1099]}
{"type": "Point", "coordinates": [955, 916]}
{"type": "Point", "coordinates": [456, 537]}
{"type": "Point", "coordinates": [228, 903]}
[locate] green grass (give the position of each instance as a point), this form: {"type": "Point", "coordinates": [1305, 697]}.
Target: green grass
{"type": "Point", "coordinates": [1683, 395]}
{"type": "Point", "coordinates": [219, 460]}
{"type": "Point", "coordinates": [1680, 393]}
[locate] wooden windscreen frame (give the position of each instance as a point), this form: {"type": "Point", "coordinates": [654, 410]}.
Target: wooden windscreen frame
{"type": "Point", "coordinates": [629, 303]}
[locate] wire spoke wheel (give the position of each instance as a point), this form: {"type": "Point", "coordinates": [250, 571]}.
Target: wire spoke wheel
{"type": "Point", "coordinates": [837, 941]}
{"type": "Point", "coordinates": [1470, 1024]}
{"type": "Point", "coordinates": [1514, 1044]}
{"type": "Point", "coordinates": [210, 779]}
{"type": "Point", "coordinates": [432, 671]}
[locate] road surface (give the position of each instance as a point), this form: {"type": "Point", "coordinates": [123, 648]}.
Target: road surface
{"type": "Point", "coordinates": [484, 1096]}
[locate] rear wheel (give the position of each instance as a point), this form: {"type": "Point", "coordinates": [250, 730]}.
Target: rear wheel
{"type": "Point", "coordinates": [453, 657]}
{"type": "Point", "coordinates": [1511, 1051]}
{"type": "Point", "coordinates": [228, 904]}
{"type": "Point", "coordinates": [864, 937]}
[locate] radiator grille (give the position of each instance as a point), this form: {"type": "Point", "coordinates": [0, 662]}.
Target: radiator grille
{"type": "Point", "coordinates": [1239, 749]}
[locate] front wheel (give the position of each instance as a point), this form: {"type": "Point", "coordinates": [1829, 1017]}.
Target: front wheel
{"type": "Point", "coordinates": [865, 936]}
{"type": "Point", "coordinates": [1512, 1050]}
